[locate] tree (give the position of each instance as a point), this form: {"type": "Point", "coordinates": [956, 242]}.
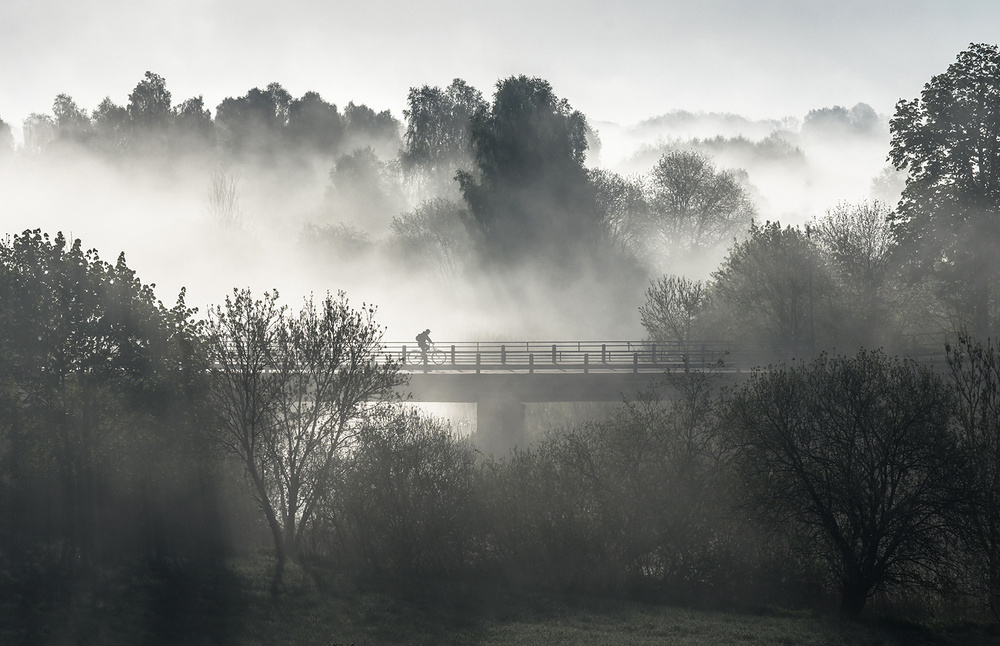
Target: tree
{"type": "Point", "coordinates": [105, 383]}
{"type": "Point", "coordinates": [974, 367]}
{"type": "Point", "coordinates": [855, 455]}
{"type": "Point", "coordinates": [254, 124]}
{"type": "Point", "coordinates": [366, 128]}
{"type": "Point", "coordinates": [858, 240]}
{"type": "Point", "coordinates": [110, 125]}
{"type": "Point", "coordinates": [694, 207]}
{"type": "Point", "coordinates": [149, 102]}
{"type": "Point", "coordinates": [624, 210]}
{"type": "Point", "coordinates": [314, 124]}
{"type": "Point", "coordinates": [39, 130]}
{"type": "Point", "coordinates": [433, 234]}
{"type": "Point", "coordinates": [674, 305]}
{"type": "Point", "coordinates": [436, 141]}
{"type": "Point", "coordinates": [948, 219]}
{"type": "Point", "coordinates": [291, 392]}
{"type": "Point", "coordinates": [529, 195]}
{"type": "Point", "coordinates": [363, 189]}
{"type": "Point", "coordinates": [773, 292]}
{"type": "Point", "coordinates": [72, 123]}
{"type": "Point", "coordinates": [6, 140]}
{"type": "Point", "coordinates": [193, 125]}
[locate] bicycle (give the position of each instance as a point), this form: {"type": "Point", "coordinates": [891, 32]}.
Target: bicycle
{"type": "Point", "coordinates": [434, 355]}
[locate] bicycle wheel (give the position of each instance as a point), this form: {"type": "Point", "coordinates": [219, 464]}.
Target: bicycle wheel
{"type": "Point", "coordinates": [437, 357]}
{"type": "Point", "coordinates": [414, 358]}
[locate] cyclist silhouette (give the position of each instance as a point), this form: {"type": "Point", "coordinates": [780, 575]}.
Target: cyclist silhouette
{"type": "Point", "coordinates": [424, 341]}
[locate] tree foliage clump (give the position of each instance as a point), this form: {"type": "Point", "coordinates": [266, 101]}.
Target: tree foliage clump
{"type": "Point", "coordinates": [528, 195]}
{"type": "Point", "coordinates": [102, 431]}
{"type": "Point", "coordinates": [855, 455]}
{"type": "Point", "coordinates": [948, 219]}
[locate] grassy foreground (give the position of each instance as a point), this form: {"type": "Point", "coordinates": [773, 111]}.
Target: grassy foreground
{"type": "Point", "coordinates": [233, 605]}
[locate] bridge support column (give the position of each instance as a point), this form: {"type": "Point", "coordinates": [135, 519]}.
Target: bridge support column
{"type": "Point", "coordinates": [500, 425]}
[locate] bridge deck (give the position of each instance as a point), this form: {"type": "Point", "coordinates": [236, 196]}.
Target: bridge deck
{"type": "Point", "coordinates": [555, 356]}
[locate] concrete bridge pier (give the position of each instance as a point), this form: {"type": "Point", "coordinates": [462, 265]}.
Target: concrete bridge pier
{"type": "Point", "coordinates": [500, 425]}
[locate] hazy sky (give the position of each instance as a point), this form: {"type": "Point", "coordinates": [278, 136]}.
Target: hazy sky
{"type": "Point", "coordinates": [618, 61]}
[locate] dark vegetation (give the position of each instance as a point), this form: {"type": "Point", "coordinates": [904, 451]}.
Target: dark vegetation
{"type": "Point", "coordinates": [167, 478]}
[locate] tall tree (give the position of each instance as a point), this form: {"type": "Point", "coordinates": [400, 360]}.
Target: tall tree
{"type": "Point", "coordinates": [529, 193]}
{"type": "Point", "coordinates": [314, 124]}
{"type": "Point", "coordinates": [948, 219]}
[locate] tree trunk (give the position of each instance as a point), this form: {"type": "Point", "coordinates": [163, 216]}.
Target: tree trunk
{"type": "Point", "coordinates": [854, 596]}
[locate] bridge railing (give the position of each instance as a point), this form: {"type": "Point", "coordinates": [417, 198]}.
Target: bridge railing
{"type": "Point", "coordinates": [576, 356]}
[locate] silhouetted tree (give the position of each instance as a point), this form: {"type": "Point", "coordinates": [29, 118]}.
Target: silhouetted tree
{"type": "Point", "coordinates": [107, 383]}
{"type": "Point", "coordinates": [839, 121]}
{"type": "Point", "coordinates": [254, 124]}
{"type": "Point", "coordinates": [975, 372]}
{"type": "Point", "coordinates": [773, 292]}
{"type": "Point", "coordinates": [859, 242]}
{"type": "Point", "coordinates": [674, 307]}
{"type": "Point", "coordinates": [364, 190]}
{"type": "Point", "coordinates": [367, 128]}
{"type": "Point", "coordinates": [150, 115]}
{"type": "Point", "coordinates": [529, 193]}
{"type": "Point", "coordinates": [436, 141]}
{"type": "Point", "coordinates": [855, 456]}
{"type": "Point", "coordinates": [6, 139]}
{"type": "Point", "coordinates": [72, 123]}
{"type": "Point", "coordinates": [315, 125]}
{"type": "Point", "coordinates": [39, 130]}
{"type": "Point", "coordinates": [194, 127]}
{"type": "Point", "coordinates": [110, 126]}
{"type": "Point", "coordinates": [948, 220]}
{"type": "Point", "coordinates": [291, 392]}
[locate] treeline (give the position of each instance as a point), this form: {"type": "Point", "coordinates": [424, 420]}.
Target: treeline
{"type": "Point", "coordinates": [138, 434]}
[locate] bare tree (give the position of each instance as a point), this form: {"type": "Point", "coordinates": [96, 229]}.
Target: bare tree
{"type": "Point", "coordinates": [291, 391]}
{"type": "Point", "coordinates": [224, 200]}
{"type": "Point", "coordinates": [673, 307]}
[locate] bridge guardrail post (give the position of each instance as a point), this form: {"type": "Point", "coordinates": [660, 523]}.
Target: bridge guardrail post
{"type": "Point", "coordinates": [604, 353]}
{"type": "Point", "coordinates": [403, 356]}
{"type": "Point", "coordinates": [531, 363]}
{"type": "Point", "coordinates": [553, 353]}
{"type": "Point", "coordinates": [452, 354]}
{"type": "Point", "coordinates": [479, 361]}
{"type": "Point", "coordinates": [503, 354]}
{"type": "Point", "coordinates": [652, 353]}
{"type": "Point", "coordinates": [635, 362]}
{"type": "Point", "coordinates": [586, 363]}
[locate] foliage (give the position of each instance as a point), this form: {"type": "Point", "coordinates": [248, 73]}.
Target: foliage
{"type": "Point", "coordinates": [529, 195]}
{"type": "Point", "coordinates": [855, 454]}
{"type": "Point", "coordinates": [404, 505]}
{"type": "Point", "coordinates": [623, 207]}
{"type": "Point", "coordinates": [947, 219]}
{"type": "Point", "coordinates": [772, 289]}
{"type": "Point", "coordinates": [432, 235]}
{"type": "Point", "coordinates": [101, 389]}
{"type": "Point", "coordinates": [436, 141]}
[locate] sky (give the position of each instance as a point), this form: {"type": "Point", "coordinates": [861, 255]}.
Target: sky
{"type": "Point", "coordinates": [619, 62]}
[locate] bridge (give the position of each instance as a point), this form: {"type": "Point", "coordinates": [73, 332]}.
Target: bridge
{"type": "Point", "coordinates": [500, 377]}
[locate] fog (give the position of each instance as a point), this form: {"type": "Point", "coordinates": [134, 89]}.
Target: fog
{"type": "Point", "coordinates": [159, 214]}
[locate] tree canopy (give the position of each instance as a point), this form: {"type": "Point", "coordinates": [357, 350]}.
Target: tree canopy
{"type": "Point", "coordinates": [948, 140]}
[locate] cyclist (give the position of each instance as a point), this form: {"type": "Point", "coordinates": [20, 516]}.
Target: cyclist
{"type": "Point", "coordinates": [424, 341]}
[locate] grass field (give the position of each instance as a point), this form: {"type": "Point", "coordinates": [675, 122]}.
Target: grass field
{"type": "Point", "coordinates": [233, 605]}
